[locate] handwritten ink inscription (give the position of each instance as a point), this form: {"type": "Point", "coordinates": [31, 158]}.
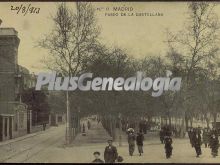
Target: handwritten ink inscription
{"type": "Point", "coordinates": [25, 9]}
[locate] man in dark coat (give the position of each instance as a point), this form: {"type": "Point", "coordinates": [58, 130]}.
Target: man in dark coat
{"type": "Point", "coordinates": [145, 127]}
{"type": "Point", "coordinates": [214, 145]}
{"type": "Point", "coordinates": [97, 159]}
{"type": "Point", "coordinates": [205, 137]}
{"type": "Point", "coordinates": [131, 142]}
{"type": "Point", "coordinates": [141, 125]}
{"type": "Point", "coordinates": [88, 124]}
{"type": "Point", "coordinates": [168, 146]}
{"type": "Point", "coordinates": [190, 134]}
{"type": "Point", "coordinates": [139, 142]}
{"type": "Point", "coordinates": [196, 140]}
{"type": "Point", "coordinates": [162, 136]}
{"type": "Point", "coordinates": [110, 153]}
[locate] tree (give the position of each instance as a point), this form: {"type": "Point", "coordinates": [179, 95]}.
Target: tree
{"type": "Point", "coordinates": [37, 102]}
{"type": "Point", "coordinates": [70, 43]}
{"type": "Point", "coordinates": [72, 39]}
{"type": "Point", "coordinates": [196, 43]}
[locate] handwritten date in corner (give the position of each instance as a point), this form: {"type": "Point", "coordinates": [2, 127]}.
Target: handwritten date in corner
{"type": "Point", "coordinates": [25, 9]}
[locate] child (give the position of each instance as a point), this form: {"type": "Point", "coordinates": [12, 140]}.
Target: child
{"type": "Point", "coordinates": [97, 159]}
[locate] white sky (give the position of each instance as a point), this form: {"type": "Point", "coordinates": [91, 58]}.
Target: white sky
{"type": "Point", "coordinates": [140, 36]}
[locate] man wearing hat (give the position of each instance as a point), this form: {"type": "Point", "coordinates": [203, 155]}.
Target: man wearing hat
{"type": "Point", "coordinates": [131, 142]}
{"type": "Point", "coordinates": [110, 154]}
{"type": "Point", "coordinates": [97, 159]}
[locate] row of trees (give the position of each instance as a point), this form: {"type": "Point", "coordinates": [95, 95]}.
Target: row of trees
{"type": "Point", "coordinates": [193, 55]}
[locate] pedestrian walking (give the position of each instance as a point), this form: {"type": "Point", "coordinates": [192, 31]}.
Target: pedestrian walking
{"type": "Point", "coordinates": [162, 135]}
{"type": "Point", "coordinates": [83, 130]}
{"type": "Point", "coordinates": [190, 134]}
{"type": "Point", "coordinates": [131, 142]}
{"type": "Point", "coordinates": [168, 146]}
{"type": "Point", "coordinates": [205, 137]}
{"type": "Point", "coordinates": [139, 142]}
{"type": "Point", "coordinates": [44, 126]}
{"type": "Point", "coordinates": [196, 140]}
{"type": "Point", "coordinates": [110, 153]}
{"type": "Point", "coordinates": [88, 124]}
{"type": "Point", "coordinates": [97, 159]}
{"type": "Point", "coordinates": [175, 132]}
{"type": "Point", "coordinates": [214, 145]}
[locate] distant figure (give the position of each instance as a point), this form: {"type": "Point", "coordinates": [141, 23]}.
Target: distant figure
{"type": "Point", "coordinates": [83, 130]}
{"type": "Point", "coordinates": [0, 22]}
{"type": "Point", "coordinates": [205, 137]}
{"type": "Point", "coordinates": [145, 127]}
{"type": "Point", "coordinates": [97, 159]}
{"type": "Point", "coordinates": [190, 134]}
{"type": "Point", "coordinates": [214, 145]}
{"type": "Point", "coordinates": [89, 124]}
{"type": "Point", "coordinates": [161, 136]}
{"type": "Point", "coordinates": [110, 153]}
{"type": "Point", "coordinates": [141, 125]}
{"type": "Point", "coordinates": [168, 146]}
{"type": "Point", "coordinates": [139, 142]}
{"type": "Point", "coordinates": [44, 126]}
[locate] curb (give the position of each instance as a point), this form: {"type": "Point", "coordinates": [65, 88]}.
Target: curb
{"type": "Point", "coordinates": [17, 139]}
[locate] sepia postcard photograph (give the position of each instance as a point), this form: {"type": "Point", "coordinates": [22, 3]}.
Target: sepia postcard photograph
{"type": "Point", "coordinates": [109, 82]}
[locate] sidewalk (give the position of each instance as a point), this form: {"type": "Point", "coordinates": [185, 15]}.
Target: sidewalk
{"type": "Point", "coordinates": [23, 137]}
{"type": "Point", "coordinates": [48, 147]}
{"type": "Point", "coordinates": [22, 148]}
{"type": "Point", "coordinates": [96, 134]}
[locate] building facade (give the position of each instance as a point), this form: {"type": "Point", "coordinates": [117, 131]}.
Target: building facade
{"type": "Point", "coordinates": [14, 115]}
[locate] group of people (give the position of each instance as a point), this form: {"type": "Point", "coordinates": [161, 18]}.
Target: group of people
{"type": "Point", "coordinates": [110, 154]}
{"type": "Point", "coordinates": [176, 131]}
{"type": "Point", "coordinates": [132, 138]}
{"type": "Point", "coordinates": [84, 127]}
{"type": "Point", "coordinates": [142, 125]}
{"type": "Point", "coordinates": [209, 137]}
{"type": "Point", "coordinates": [139, 139]}
{"type": "Point", "coordinates": [197, 137]}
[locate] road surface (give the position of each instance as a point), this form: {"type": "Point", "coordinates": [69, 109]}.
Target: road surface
{"type": "Point", "coordinates": [49, 147]}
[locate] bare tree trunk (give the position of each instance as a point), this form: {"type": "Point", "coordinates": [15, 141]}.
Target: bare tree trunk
{"type": "Point", "coordinates": [69, 132]}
